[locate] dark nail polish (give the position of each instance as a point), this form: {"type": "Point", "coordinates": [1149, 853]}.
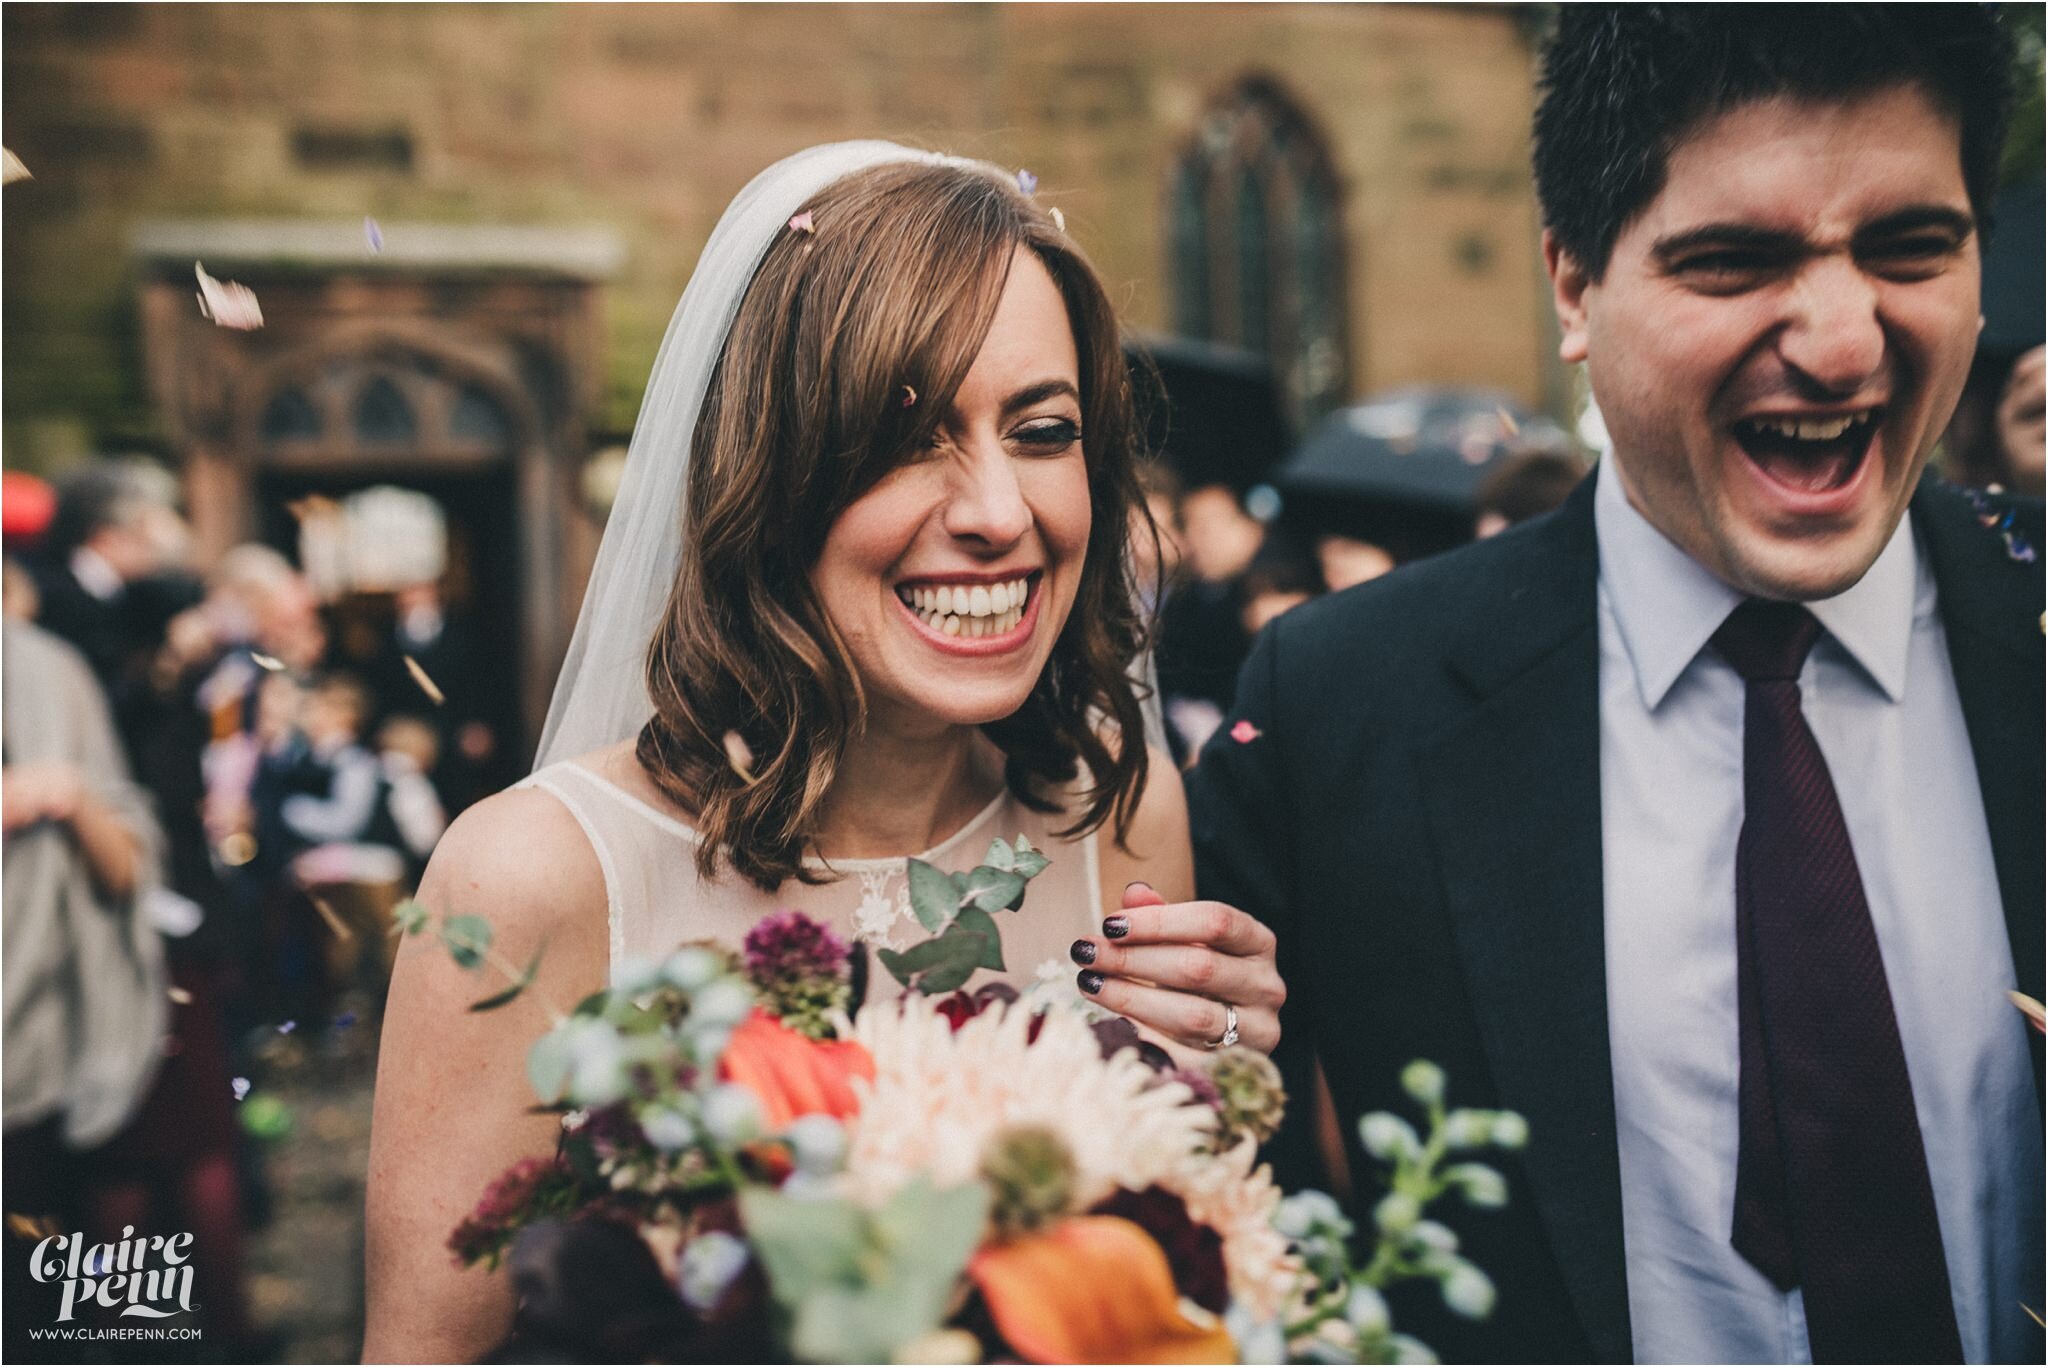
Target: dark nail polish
{"type": "Point", "coordinates": [1082, 951]}
{"type": "Point", "coordinates": [1090, 981]}
{"type": "Point", "coordinates": [1116, 927]}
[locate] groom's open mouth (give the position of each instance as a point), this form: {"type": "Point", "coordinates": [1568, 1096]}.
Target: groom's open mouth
{"type": "Point", "coordinates": [979, 613]}
{"type": "Point", "coordinates": [1810, 456]}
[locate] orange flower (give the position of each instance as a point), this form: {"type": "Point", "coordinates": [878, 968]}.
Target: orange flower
{"type": "Point", "coordinates": [1092, 1289]}
{"type": "Point", "coordinates": [792, 1075]}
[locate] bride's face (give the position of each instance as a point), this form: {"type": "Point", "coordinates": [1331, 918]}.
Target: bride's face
{"type": "Point", "coordinates": [951, 578]}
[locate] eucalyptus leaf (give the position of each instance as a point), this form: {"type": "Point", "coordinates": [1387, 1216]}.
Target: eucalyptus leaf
{"type": "Point", "coordinates": [975, 920]}
{"type": "Point", "coordinates": [992, 889]}
{"type": "Point", "coordinates": [547, 1066]}
{"type": "Point", "coordinates": [858, 1285]}
{"type": "Point", "coordinates": [594, 1004]}
{"type": "Point", "coordinates": [963, 953]}
{"type": "Point", "coordinates": [1031, 863]}
{"type": "Point", "coordinates": [511, 993]}
{"type": "Point", "coordinates": [411, 916]}
{"type": "Point", "coordinates": [932, 898]}
{"type": "Point", "coordinates": [1000, 856]}
{"type": "Point", "coordinates": [468, 939]}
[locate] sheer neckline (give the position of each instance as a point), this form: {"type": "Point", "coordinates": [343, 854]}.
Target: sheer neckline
{"type": "Point", "coordinates": [683, 829]}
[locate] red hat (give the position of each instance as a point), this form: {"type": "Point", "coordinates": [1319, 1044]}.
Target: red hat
{"type": "Point", "coordinates": [26, 505]}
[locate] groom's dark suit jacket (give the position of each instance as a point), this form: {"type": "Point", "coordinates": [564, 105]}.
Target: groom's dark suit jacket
{"type": "Point", "coordinates": [1420, 824]}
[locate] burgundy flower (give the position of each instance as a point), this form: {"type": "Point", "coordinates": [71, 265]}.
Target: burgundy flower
{"type": "Point", "coordinates": [1194, 1251]}
{"type": "Point", "coordinates": [790, 945]}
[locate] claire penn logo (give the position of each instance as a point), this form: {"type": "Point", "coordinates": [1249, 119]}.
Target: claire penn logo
{"type": "Point", "coordinates": [140, 1276]}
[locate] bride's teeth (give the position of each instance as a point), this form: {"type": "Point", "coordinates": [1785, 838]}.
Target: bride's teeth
{"type": "Point", "coordinates": [978, 601]}
{"type": "Point", "coordinates": [999, 599]}
{"type": "Point", "coordinates": [950, 625]}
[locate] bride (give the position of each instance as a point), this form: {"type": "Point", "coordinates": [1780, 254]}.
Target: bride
{"type": "Point", "coordinates": [864, 595]}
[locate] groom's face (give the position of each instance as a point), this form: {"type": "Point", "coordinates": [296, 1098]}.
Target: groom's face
{"type": "Point", "coordinates": [1780, 336]}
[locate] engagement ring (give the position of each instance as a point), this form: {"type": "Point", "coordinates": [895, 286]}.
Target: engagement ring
{"type": "Point", "coordinates": [1229, 1036]}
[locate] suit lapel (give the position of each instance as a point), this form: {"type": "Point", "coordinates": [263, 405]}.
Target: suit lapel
{"type": "Point", "coordinates": [1512, 796]}
{"type": "Point", "coordinates": [1991, 613]}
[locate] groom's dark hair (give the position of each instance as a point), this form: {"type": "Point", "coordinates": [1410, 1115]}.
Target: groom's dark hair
{"type": "Point", "coordinates": [1623, 85]}
{"type": "Point", "coordinates": [846, 351]}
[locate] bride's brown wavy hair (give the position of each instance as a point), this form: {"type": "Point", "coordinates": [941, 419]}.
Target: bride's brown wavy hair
{"type": "Point", "coordinates": [896, 285]}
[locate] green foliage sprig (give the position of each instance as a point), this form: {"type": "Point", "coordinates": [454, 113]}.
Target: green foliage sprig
{"type": "Point", "coordinates": [959, 911]}
{"type": "Point", "coordinates": [1347, 1319]}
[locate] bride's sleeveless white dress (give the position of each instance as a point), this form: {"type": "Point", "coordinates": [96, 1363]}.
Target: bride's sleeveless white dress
{"type": "Point", "coordinates": [657, 901]}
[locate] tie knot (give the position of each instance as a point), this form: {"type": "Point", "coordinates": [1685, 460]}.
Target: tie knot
{"type": "Point", "coordinates": [1767, 641]}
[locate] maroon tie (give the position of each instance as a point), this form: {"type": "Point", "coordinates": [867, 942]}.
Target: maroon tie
{"type": "Point", "coordinates": [1831, 1187]}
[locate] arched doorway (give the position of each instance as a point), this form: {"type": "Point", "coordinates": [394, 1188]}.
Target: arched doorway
{"type": "Point", "coordinates": [465, 370]}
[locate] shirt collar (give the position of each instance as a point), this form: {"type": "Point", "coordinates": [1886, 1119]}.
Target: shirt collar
{"type": "Point", "coordinates": [1667, 605]}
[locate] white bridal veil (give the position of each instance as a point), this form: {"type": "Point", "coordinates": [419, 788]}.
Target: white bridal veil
{"type": "Point", "coordinates": [601, 694]}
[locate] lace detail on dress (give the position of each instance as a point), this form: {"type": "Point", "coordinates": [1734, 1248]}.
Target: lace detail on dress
{"type": "Point", "coordinates": [881, 920]}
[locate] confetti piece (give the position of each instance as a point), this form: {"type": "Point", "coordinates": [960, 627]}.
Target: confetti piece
{"type": "Point", "coordinates": [341, 929]}
{"type": "Point", "coordinates": [12, 170]}
{"type": "Point", "coordinates": [179, 995]}
{"type": "Point", "coordinates": [740, 756]}
{"type": "Point", "coordinates": [1027, 184]}
{"type": "Point", "coordinates": [1244, 733]}
{"type": "Point", "coordinates": [909, 397]}
{"type": "Point", "coordinates": [2029, 1008]}
{"type": "Point", "coordinates": [228, 304]}
{"type": "Point", "coordinates": [427, 685]}
{"type": "Point", "coordinates": [344, 1020]}
{"type": "Point", "coordinates": [238, 849]}
{"type": "Point", "coordinates": [241, 1086]}
{"type": "Point", "coordinates": [31, 1226]}
{"type": "Point", "coordinates": [1059, 220]}
{"type": "Point", "coordinates": [287, 1027]}
{"type": "Point", "coordinates": [1507, 420]}
{"type": "Point", "coordinates": [802, 223]}
{"type": "Point", "coordinates": [2033, 1315]}
{"type": "Point", "coordinates": [373, 235]}
{"type": "Point", "coordinates": [269, 662]}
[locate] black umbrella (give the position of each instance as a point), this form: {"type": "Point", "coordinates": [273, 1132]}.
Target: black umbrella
{"type": "Point", "coordinates": [2013, 272]}
{"type": "Point", "coordinates": [1210, 410]}
{"type": "Point", "coordinates": [1426, 447]}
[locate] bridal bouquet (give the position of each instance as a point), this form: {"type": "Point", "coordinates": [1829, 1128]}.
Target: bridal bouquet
{"type": "Point", "coordinates": [752, 1168]}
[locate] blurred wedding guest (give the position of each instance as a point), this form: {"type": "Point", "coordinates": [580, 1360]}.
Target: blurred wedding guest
{"type": "Point", "coordinates": [1995, 440]}
{"type": "Point", "coordinates": [1348, 561]}
{"type": "Point", "coordinates": [1161, 519]}
{"type": "Point", "coordinates": [1281, 576]}
{"type": "Point", "coordinates": [17, 593]}
{"type": "Point", "coordinates": [1525, 485]}
{"type": "Point", "coordinates": [1201, 631]}
{"type": "Point", "coordinates": [116, 524]}
{"type": "Point", "coordinates": [2022, 435]}
{"type": "Point", "coordinates": [429, 632]}
{"type": "Point", "coordinates": [85, 994]}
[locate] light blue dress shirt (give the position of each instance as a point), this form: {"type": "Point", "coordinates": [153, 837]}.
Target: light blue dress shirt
{"type": "Point", "coordinates": [1881, 699]}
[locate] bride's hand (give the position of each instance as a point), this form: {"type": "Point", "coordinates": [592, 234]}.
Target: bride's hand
{"type": "Point", "coordinates": [1182, 968]}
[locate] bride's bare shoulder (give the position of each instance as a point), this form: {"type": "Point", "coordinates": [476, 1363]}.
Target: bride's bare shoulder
{"type": "Point", "coordinates": [519, 856]}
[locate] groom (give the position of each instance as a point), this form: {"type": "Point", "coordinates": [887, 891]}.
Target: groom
{"type": "Point", "coordinates": [1701, 821]}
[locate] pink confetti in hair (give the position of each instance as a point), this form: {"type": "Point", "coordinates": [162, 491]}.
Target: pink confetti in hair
{"type": "Point", "coordinates": [909, 397]}
{"type": "Point", "coordinates": [802, 223]}
{"type": "Point", "coordinates": [228, 304]}
{"type": "Point", "coordinates": [1244, 733]}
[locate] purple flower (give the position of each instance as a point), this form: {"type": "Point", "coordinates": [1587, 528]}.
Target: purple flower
{"type": "Point", "coordinates": [790, 945]}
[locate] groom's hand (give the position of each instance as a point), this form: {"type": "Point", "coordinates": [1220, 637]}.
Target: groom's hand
{"type": "Point", "coordinates": [1176, 967]}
